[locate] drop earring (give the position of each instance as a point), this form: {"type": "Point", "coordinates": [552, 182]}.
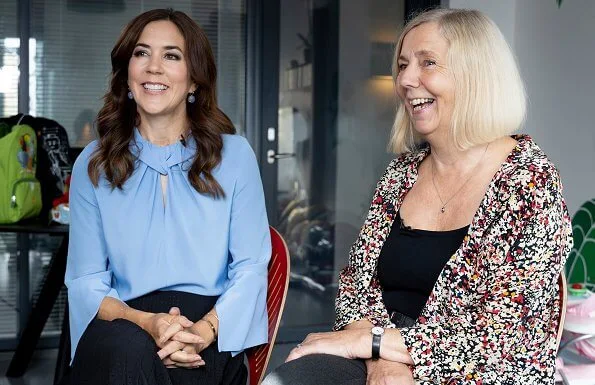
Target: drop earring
{"type": "Point", "coordinates": [191, 97]}
{"type": "Point", "coordinates": [130, 95]}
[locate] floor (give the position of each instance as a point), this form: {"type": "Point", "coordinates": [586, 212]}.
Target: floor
{"type": "Point", "coordinates": [40, 371]}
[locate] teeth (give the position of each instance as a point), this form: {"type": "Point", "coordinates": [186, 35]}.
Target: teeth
{"type": "Point", "coordinates": [415, 102]}
{"type": "Point", "coordinates": [154, 87]}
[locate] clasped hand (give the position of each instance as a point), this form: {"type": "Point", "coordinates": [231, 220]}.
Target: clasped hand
{"type": "Point", "coordinates": [180, 343]}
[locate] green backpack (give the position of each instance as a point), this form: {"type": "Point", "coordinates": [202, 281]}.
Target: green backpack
{"type": "Point", "coordinates": [20, 192]}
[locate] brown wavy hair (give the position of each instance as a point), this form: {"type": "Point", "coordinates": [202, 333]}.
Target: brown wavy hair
{"type": "Point", "coordinates": [118, 116]}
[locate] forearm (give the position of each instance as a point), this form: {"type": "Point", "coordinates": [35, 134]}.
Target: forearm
{"type": "Point", "coordinates": [392, 346]}
{"type": "Point", "coordinates": [111, 309]}
{"type": "Point", "coordinates": [208, 326]}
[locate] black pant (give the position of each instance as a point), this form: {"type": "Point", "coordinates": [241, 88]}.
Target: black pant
{"type": "Point", "coordinates": [325, 369]}
{"type": "Point", "coordinates": [121, 353]}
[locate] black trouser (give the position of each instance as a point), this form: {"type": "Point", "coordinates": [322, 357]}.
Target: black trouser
{"type": "Point", "coordinates": [121, 353]}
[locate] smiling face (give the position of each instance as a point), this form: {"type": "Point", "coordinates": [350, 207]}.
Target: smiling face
{"type": "Point", "coordinates": [158, 72]}
{"type": "Point", "coordinates": [424, 83]}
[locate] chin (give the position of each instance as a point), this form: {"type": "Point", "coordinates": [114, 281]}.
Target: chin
{"type": "Point", "coordinates": [153, 110]}
{"type": "Point", "coordinates": [424, 129]}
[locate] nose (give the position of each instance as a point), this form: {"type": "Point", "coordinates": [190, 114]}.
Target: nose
{"type": "Point", "coordinates": [409, 76]}
{"type": "Point", "coordinates": [154, 66]}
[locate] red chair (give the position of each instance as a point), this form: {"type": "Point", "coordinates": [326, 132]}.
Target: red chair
{"type": "Point", "coordinates": [258, 356]}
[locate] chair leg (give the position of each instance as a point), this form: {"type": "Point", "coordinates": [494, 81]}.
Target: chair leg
{"type": "Point", "coordinates": [40, 312]}
{"type": "Point", "coordinates": [63, 360]}
{"type": "Point", "coordinates": [574, 340]}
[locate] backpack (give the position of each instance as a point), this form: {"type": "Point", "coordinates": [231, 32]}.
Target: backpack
{"type": "Point", "coordinates": [20, 191]}
{"type": "Point", "coordinates": [53, 157]}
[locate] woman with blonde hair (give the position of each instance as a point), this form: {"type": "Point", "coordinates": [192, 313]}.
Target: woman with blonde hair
{"type": "Point", "coordinates": [452, 279]}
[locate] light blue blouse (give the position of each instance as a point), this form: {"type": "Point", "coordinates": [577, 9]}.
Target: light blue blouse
{"type": "Point", "coordinates": [126, 243]}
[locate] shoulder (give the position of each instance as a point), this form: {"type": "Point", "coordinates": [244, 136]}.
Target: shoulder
{"type": "Point", "coordinates": [82, 161]}
{"type": "Point", "coordinates": [236, 147]}
{"type": "Point", "coordinates": [403, 167]}
{"type": "Point", "coordinates": [530, 180]}
{"type": "Point", "coordinates": [530, 166]}
{"type": "Point", "coordinates": [408, 160]}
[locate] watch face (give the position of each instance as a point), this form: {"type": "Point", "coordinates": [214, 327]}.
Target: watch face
{"type": "Point", "coordinates": [377, 331]}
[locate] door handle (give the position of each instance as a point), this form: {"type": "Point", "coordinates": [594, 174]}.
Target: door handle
{"type": "Point", "coordinates": [272, 156]}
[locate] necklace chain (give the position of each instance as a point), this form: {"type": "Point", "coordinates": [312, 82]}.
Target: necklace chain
{"type": "Point", "coordinates": [443, 208]}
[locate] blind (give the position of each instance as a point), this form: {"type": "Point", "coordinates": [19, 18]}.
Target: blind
{"type": "Point", "coordinates": [72, 41]}
{"type": "Point", "coordinates": [9, 58]}
{"type": "Point", "coordinates": [9, 81]}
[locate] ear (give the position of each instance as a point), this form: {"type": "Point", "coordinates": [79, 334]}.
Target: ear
{"type": "Point", "coordinates": [193, 87]}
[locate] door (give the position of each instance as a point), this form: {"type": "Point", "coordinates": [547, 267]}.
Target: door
{"type": "Point", "coordinates": [326, 117]}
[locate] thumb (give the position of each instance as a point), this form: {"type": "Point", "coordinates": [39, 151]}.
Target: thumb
{"type": "Point", "coordinates": [174, 311]}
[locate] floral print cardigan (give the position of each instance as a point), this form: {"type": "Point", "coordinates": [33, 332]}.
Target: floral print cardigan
{"type": "Point", "coordinates": [492, 316]}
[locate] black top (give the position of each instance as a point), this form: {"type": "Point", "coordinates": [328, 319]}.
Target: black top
{"type": "Point", "coordinates": [410, 262]}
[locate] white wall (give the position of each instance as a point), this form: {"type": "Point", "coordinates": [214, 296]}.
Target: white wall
{"type": "Point", "coordinates": [555, 51]}
{"type": "Point", "coordinates": [501, 11]}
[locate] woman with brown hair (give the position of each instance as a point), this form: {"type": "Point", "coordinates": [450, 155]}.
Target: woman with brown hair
{"type": "Point", "coordinates": [169, 240]}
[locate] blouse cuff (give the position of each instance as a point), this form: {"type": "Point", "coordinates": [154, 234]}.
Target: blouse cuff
{"type": "Point", "coordinates": [420, 349]}
{"type": "Point", "coordinates": [242, 312]}
{"type": "Point", "coordinates": [85, 295]}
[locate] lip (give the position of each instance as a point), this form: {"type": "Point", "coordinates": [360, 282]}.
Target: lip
{"type": "Point", "coordinates": [154, 92]}
{"type": "Point", "coordinates": [410, 99]}
{"type": "Point", "coordinates": [420, 113]}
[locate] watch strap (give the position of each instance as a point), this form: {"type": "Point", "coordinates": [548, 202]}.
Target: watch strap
{"type": "Point", "coordinates": [376, 346]}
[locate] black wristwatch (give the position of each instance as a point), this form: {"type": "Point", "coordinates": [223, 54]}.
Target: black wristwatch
{"type": "Point", "coordinates": [377, 333]}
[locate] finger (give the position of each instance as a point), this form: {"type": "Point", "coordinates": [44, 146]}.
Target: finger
{"type": "Point", "coordinates": [191, 365]}
{"type": "Point", "coordinates": [297, 352]}
{"type": "Point", "coordinates": [169, 363]}
{"type": "Point", "coordinates": [174, 311]}
{"type": "Point", "coordinates": [169, 348]}
{"type": "Point", "coordinates": [185, 322]}
{"type": "Point", "coordinates": [310, 346]}
{"type": "Point", "coordinates": [170, 332]}
{"type": "Point", "coordinates": [187, 338]}
{"type": "Point", "coordinates": [183, 357]}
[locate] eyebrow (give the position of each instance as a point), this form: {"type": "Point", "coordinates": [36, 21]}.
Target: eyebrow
{"type": "Point", "coordinates": [166, 47]}
{"type": "Point", "coordinates": [423, 52]}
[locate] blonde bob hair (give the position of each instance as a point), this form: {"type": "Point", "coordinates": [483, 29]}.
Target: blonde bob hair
{"type": "Point", "coordinates": [489, 100]}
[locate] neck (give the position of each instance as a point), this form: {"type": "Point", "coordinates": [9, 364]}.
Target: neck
{"type": "Point", "coordinates": [163, 131]}
{"type": "Point", "coordinates": [447, 159]}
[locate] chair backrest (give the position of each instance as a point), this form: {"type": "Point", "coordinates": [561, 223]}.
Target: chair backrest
{"type": "Point", "coordinates": [563, 293]}
{"type": "Point", "coordinates": [278, 281]}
